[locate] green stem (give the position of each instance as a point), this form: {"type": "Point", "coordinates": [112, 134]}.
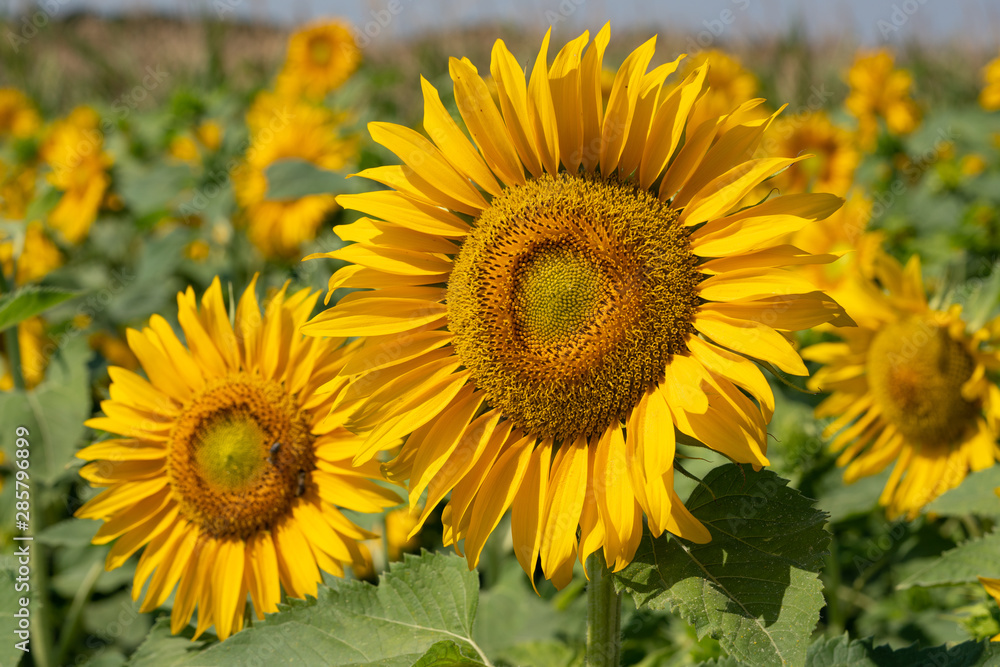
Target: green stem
{"type": "Point", "coordinates": [74, 618]}
{"type": "Point", "coordinates": [10, 340]}
{"type": "Point", "coordinates": [41, 633]}
{"type": "Point", "coordinates": [604, 615]}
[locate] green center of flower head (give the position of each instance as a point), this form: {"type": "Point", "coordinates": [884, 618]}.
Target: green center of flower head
{"type": "Point", "coordinates": [568, 299]}
{"type": "Point", "coordinates": [239, 455]}
{"type": "Point", "coordinates": [916, 372]}
{"type": "Point", "coordinates": [320, 51]}
{"type": "Point", "coordinates": [556, 293]}
{"type": "Point", "coordinates": [231, 451]}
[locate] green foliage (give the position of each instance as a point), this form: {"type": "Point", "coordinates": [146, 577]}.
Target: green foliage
{"type": "Point", "coordinates": [426, 605]}
{"type": "Point", "coordinates": [53, 412]}
{"type": "Point", "coordinates": [962, 565]}
{"type": "Point", "coordinates": [975, 495]}
{"type": "Point", "coordinates": [754, 586]}
{"type": "Point", "coordinates": [28, 301]}
{"type": "Point", "coordinates": [842, 652]}
{"type": "Point", "coordinates": [293, 179]}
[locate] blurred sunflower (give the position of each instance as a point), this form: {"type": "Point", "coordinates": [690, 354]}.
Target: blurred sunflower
{"type": "Point", "coordinates": [17, 189]}
{"type": "Point", "coordinates": [18, 117]}
{"type": "Point", "coordinates": [879, 90]}
{"type": "Point", "coordinates": [908, 385]}
{"type": "Point", "coordinates": [992, 587]}
{"type": "Point", "coordinates": [38, 256]}
{"type": "Point", "coordinates": [74, 152]}
{"type": "Point", "coordinates": [31, 342]}
{"type": "Point", "coordinates": [839, 234]}
{"type": "Point", "coordinates": [321, 57]}
{"type": "Point", "coordinates": [285, 128]}
{"type": "Point", "coordinates": [191, 147]}
{"type": "Point", "coordinates": [729, 86]}
{"type": "Point", "coordinates": [574, 301]}
{"type": "Point", "coordinates": [228, 472]}
{"type": "Point", "coordinates": [836, 155]}
{"type": "Point", "coordinates": [989, 98]}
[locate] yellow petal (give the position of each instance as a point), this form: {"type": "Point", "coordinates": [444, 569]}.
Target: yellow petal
{"type": "Point", "coordinates": [751, 339]}
{"type": "Point", "coordinates": [419, 154]}
{"type": "Point", "coordinates": [457, 149]}
{"type": "Point", "coordinates": [496, 495]}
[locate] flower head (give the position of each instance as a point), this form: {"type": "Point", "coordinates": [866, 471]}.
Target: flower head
{"type": "Point", "coordinates": [284, 128]}
{"type": "Point", "coordinates": [908, 385]}
{"type": "Point", "coordinates": [989, 98]}
{"type": "Point", "coordinates": [549, 300]}
{"type": "Point", "coordinates": [74, 151]}
{"type": "Point", "coordinates": [18, 116]}
{"type": "Point", "coordinates": [230, 472]}
{"type": "Point", "coordinates": [321, 57]}
{"type": "Point", "coordinates": [880, 90]}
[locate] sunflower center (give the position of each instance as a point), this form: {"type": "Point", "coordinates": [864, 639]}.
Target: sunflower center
{"type": "Point", "coordinates": [568, 299]}
{"type": "Point", "coordinates": [229, 451]}
{"type": "Point", "coordinates": [320, 51]}
{"type": "Point", "coordinates": [239, 456]}
{"type": "Point", "coordinates": [556, 293]}
{"type": "Point", "coordinates": [916, 372]}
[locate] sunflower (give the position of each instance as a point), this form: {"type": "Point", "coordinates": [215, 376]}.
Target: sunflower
{"type": "Point", "coordinates": [321, 57]}
{"type": "Point", "coordinates": [517, 324]}
{"type": "Point", "coordinates": [74, 152]}
{"type": "Point", "coordinates": [730, 84]}
{"type": "Point", "coordinates": [834, 148]}
{"type": "Point", "coordinates": [841, 233]}
{"type": "Point", "coordinates": [908, 385]}
{"type": "Point", "coordinates": [283, 128]}
{"type": "Point", "coordinates": [33, 344]}
{"type": "Point", "coordinates": [38, 256]}
{"type": "Point", "coordinates": [18, 117]}
{"type": "Point", "coordinates": [879, 90]}
{"type": "Point", "coordinates": [989, 98]}
{"type": "Point", "coordinates": [191, 147]}
{"type": "Point", "coordinates": [992, 587]}
{"type": "Point", "coordinates": [229, 472]}
{"type": "Point", "coordinates": [17, 189]}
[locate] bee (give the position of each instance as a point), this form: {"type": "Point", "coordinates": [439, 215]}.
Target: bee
{"type": "Point", "coordinates": [302, 484]}
{"type": "Point", "coordinates": [273, 450]}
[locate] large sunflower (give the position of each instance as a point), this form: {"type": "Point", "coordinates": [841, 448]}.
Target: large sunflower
{"type": "Point", "coordinates": [577, 270]}
{"type": "Point", "coordinates": [229, 472]}
{"type": "Point", "coordinates": [908, 385]}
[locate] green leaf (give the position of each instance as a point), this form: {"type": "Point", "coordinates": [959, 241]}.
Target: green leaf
{"type": "Point", "coordinates": [962, 565]}
{"type": "Point", "coordinates": [541, 654]}
{"type": "Point", "coordinates": [163, 648]}
{"type": "Point", "coordinates": [417, 604]}
{"type": "Point", "coordinates": [53, 412]}
{"type": "Point", "coordinates": [69, 533]}
{"type": "Point", "coordinates": [28, 301]}
{"type": "Point", "coordinates": [510, 613]}
{"type": "Point", "coordinates": [841, 652]}
{"type": "Point", "coordinates": [449, 654]}
{"type": "Point", "coordinates": [975, 495]}
{"type": "Point", "coordinates": [754, 587]}
{"type": "Point", "coordinates": [294, 179]}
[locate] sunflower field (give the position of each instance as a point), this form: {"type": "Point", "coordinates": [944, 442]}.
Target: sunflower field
{"type": "Point", "coordinates": [495, 347]}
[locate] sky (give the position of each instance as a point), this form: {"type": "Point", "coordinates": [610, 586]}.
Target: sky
{"type": "Point", "coordinates": [868, 22]}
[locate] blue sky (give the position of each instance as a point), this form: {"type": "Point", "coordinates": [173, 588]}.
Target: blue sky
{"type": "Point", "coordinates": [868, 22]}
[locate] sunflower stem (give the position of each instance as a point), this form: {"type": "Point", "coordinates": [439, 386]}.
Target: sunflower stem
{"type": "Point", "coordinates": [10, 338]}
{"type": "Point", "coordinates": [74, 617]}
{"type": "Point", "coordinates": [604, 615]}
